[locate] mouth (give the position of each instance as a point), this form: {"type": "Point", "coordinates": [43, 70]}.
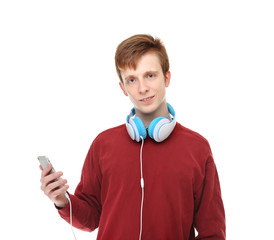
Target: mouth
{"type": "Point", "coordinates": [145, 100]}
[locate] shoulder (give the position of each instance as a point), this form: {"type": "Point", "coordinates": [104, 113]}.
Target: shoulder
{"type": "Point", "coordinates": [108, 138]}
{"type": "Point", "coordinates": [188, 133]}
{"type": "Point", "coordinates": [111, 131]}
{"type": "Point", "coordinates": [191, 138]}
{"type": "Point", "coordinates": [111, 135]}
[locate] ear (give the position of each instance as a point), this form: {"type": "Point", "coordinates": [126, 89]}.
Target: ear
{"type": "Point", "coordinates": [123, 88]}
{"type": "Point", "coordinates": [167, 78]}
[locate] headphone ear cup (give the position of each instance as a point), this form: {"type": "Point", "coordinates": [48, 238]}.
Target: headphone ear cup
{"type": "Point", "coordinates": [158, 129]}
{"type": "Point", "coordinates": [142, 132]}
{"type": "Point", "coordinates": [152, 126]}
{"type": "Point", "coordinates": [131, 131]}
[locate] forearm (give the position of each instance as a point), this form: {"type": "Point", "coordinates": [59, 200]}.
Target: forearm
{"type": "Point", "coordinates": [84, 216]}
{"type": "Point", "coordinates": [209, 217]}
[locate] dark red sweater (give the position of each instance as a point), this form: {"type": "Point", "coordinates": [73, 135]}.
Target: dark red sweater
{"type": "Point", "coordinates": [182, 189]}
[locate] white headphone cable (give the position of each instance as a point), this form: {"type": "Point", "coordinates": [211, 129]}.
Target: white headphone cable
{"type": "Point", "coordinates": [70, 207]}
{"type": "Point", "coordinates": [142, 186]}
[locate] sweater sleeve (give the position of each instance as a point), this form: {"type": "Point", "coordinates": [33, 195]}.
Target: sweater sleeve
{"type": "Point", "coordinates": [209, 218]}
{"type": "Point", "coordinates": [86, 202]}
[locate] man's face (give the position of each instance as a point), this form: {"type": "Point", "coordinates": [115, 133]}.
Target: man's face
{"type": "Point", "coordinates": [146, 85]}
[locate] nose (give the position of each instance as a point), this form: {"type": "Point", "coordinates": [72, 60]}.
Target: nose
{"type": "Point", "coordinates": [143, 87]}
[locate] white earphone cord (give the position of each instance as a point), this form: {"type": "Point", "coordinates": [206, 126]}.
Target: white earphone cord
{"type": "Point", "coordinates": [70, 207]}
{"type": "Point", "coordinates": [142, 186]}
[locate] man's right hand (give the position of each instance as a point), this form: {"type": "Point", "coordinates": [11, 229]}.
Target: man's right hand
{"type": "Point", "coordinates": [49, 186]}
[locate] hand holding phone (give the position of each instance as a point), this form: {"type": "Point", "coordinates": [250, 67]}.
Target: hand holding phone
{"type": "Point", "coordinates": [51, 184]}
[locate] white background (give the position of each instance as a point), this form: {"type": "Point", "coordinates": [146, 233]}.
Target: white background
{"type": "Point", "coordinates": [59, 89]}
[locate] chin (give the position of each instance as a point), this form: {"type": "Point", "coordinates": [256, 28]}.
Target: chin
{"type": "Point", "coordinates": [147, 109]}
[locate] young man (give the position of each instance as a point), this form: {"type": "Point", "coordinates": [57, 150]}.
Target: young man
{"type": "Point", "coordinates": [150, 178]}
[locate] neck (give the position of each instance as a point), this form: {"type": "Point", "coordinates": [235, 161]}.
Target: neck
{"type": "Point", "coordinates": [147, 118]}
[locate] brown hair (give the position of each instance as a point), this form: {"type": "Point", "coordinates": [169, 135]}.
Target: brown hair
{"type": "Point", "coordinates": [132, 49]}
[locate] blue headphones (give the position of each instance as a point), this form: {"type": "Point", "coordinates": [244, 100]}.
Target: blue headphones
{"type": "Point", "coordinates": [159, 129]}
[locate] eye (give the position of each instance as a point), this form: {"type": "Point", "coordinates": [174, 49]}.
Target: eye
{"type": "Point", "coordinates": [150, 76]}
{"type": "Point", "coordinates": [131, 80]}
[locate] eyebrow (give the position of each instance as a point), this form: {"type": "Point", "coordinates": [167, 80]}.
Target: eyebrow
{"type": "Point", "coordinates": [151, 72]}
{"type": "Point", "coordinates": [129, 77]}
{"type": "Point", "coordinates": [146, 73]}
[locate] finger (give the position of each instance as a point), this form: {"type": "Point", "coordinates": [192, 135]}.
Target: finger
{"type": "Point", "coordinates": [58, 184]}
{"type": "Point", "coordinates": [40, 167]}
{"type": "Point", "coordinates": [54, 194]}
{"type": "Point", "coordinates": [46, 171]}
{"type": "Point", "coordinates": [49, 179]}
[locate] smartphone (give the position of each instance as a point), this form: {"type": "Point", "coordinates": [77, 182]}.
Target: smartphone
{"type": "Point", "coordinates": [44, 161]}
